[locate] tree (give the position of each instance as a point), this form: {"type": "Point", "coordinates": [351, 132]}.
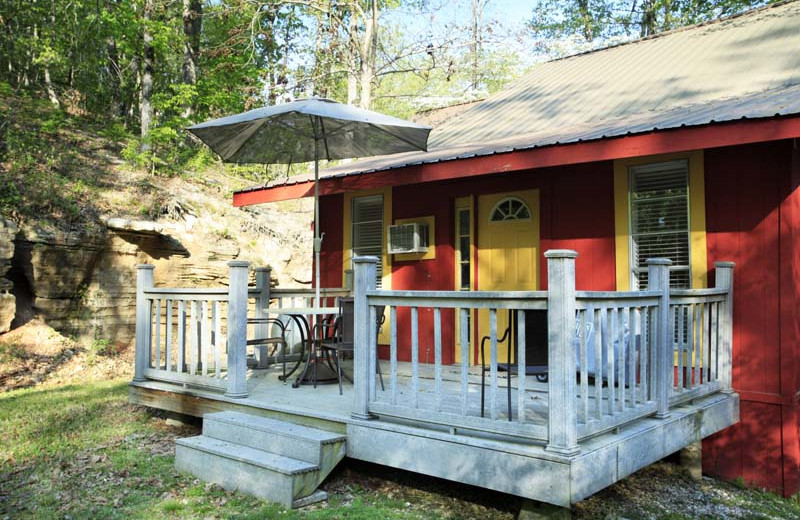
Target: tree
{"type": "Point", "coordinates": [604, 19]}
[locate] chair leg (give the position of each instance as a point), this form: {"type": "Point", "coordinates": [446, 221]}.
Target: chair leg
{"type": "Point", "coordinates": [338, 370]}
{"type": "Point", "coordinates": [483, 389]}
{"type": "Point", "coordinates": [380, 374]}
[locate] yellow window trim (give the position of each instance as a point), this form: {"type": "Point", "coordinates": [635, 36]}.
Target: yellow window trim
{"type": "Point", "coordinates": [697, 215]}
{"type": "Point", "coordinates": [430, 254]}
{"type": "Point", "coordinates": [347, 243]}
{"type": "Point", "coordinates": [460, 204]}
{"type": "Point", "coordinates": [347, 239]}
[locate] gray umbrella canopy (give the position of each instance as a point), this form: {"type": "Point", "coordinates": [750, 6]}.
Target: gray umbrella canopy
{"type": "Point", "coordinates": [285, 134]}
{"type": "Point", "coordinates": [309, 130]}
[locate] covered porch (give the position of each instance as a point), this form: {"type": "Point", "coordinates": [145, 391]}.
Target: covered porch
{"type": "Point", "coordinates": [632, 376]}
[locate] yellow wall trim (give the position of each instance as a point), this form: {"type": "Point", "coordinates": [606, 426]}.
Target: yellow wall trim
{"type": "Point", "coordinates": [697, 215]}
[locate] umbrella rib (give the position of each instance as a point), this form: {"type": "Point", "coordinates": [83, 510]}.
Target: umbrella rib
{"type": "Point", "coordinates": [324, 139]}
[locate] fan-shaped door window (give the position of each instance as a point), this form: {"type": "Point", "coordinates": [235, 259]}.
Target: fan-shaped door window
{"type": "Point", "coordinates": [510, 208]}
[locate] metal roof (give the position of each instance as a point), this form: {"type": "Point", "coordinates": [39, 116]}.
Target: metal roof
{"type": "Point", "coordinates": [742, 67]}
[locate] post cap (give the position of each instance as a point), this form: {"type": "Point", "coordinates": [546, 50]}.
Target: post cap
{"type": "Point", "coordinates": [365, 259]}
{"type": "Point", "coordinates": [659, 261]}
{"type": "Point", "coordinates": [265, 268]}
{"type": "Point", "coordinates": [728, 265]}
{"type": "Point", "coordinates": [560, 253]}
{"type": "Point", "coordinates": [145, 266]}
{"type": "Point", "coordinates": [238, 263]}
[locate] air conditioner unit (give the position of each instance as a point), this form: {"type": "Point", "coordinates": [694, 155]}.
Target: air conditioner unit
{"type": "Point", "coordinates": [408, 238]}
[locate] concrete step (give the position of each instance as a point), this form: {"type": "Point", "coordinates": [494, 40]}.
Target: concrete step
{"type": "Point", "coordinates": [237, 467]}
{"type": "Point", "coordinates": [299, 442]}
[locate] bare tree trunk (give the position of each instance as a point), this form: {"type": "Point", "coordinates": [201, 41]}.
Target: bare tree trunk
{"type": "Point", "coordinates": [145, 104]}
{"type": "Point", "coordinates": [192, 24]}
{"type": "Point", "coordinates": [51, 93]}
{"type": "Point", "coordinates": [369, 47]}
{"type": "Point", "coordinates": [475, 42]}
{"type": "Point", "coordinates": [353, 51]}
{"type": "Point", "coordinates": [648, 24]}
{"type": "Point", "coordinates": [115, 107]}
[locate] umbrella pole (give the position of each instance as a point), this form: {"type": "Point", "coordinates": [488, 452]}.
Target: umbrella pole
{"type": "Point", "coordinates": [317, 239]}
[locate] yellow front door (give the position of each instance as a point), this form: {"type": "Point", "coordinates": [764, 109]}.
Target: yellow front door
{"type": "Point", "coordinates": [508, 252]}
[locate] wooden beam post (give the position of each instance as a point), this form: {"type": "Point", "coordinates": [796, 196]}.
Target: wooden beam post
{"type": "Point", "coordinates": [144, 281]}
{"type": "Point", "coordinates": [364, 272]}
{"type": "Point", "coordinates": [261, 330]}
{"type": "Point", "coordinates": [658, 280]}
{"type": "Point", "coordinates": [724, 280]}
{"type": "Point", "coordinates": [237, 329]}
{"type": "Point", "coordinates": [562, 413]}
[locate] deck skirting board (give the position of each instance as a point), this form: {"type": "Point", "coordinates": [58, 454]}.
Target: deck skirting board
{"type": "Point", "coordinates": [530, 471]}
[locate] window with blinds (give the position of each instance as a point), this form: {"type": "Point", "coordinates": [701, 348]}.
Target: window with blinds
{"type": "Point", "coordinates": [659, 213]}
{"type": "Point", "coordinates": [367, 233]}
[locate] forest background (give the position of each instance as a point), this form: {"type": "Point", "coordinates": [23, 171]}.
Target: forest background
{"type": "Point", "coordinates": [141, 70]}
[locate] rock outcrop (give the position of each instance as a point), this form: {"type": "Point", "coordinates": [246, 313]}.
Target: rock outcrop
{"type": "Point", "coordinates": [8, 307]}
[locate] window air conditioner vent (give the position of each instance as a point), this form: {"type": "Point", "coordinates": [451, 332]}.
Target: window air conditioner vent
{"type": "Point", "coordinates": [408, 238]}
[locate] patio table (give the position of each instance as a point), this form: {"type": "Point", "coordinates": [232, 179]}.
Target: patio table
{"type": "Point", "coordinates": [301, 315]}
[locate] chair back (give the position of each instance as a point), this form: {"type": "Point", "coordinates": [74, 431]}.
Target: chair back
{"type": "Point", "coordinates": [347, 316]}
{"type": "Point", "coordinates": [536, 337]}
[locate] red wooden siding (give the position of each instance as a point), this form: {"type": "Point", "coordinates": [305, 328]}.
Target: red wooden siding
{"type": "Point", "coordinates": [330, 216]}
{"type": "Point", "coordinates": [752, 217]}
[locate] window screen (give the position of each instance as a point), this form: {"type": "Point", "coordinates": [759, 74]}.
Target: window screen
{"type": "Point", "coordinates": [659, 213]}
{"type": "Point", "coordinates": [368, 229]}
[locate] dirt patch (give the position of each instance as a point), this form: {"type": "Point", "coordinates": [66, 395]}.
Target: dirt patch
{"type": "Point", "coordinates": [37, 354]}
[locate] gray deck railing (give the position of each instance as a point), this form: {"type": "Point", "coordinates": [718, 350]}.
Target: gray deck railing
{"type": "Point", "coordinates": [613, 357]}
{"type": "Point", "coordinates": [198, 336]}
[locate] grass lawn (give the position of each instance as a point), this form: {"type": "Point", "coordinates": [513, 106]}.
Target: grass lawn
{"type": "Point", "coordinates": [81, 451]}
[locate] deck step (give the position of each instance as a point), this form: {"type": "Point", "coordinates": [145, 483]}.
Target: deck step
{"type": "Point", "coordinates": [236, 467]}
{"type": "Point", "coordinates": [268, 458]}
{"type": "Point", "coordinates": [275, 436]}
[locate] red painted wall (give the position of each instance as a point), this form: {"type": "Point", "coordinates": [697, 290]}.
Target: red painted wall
{"type": "Point", "coordinates": [752, 218]}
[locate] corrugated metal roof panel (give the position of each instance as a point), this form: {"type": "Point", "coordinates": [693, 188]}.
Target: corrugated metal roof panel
{"type": "Point", "coordinates": [745, 66]}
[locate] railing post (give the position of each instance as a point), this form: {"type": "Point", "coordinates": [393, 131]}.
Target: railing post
{"type": "Point", "coordinates": [724, 280]}
{"type": "Point", "coordinates": [261, 330]}
{"type": "Point", "coordinates": [364, 272]}
{"type": "Point", "coordinates": [658, 280]}
{"type": "Point", "coordinates": [144, 281]}
{"type": "Point", "coordinates": [237, 329]}
{"type": "Point", "coordinates": [562, 412]}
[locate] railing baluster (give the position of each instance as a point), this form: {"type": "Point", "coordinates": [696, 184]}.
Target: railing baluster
{"type": "Point", "coordinates": [205, 338]}
{"type": "Point", "coordinates": [144, 281]}
{"type": "Point", "coordinates": [635, 332]}
{"type": "Point", "coordinates": [217, 343]}
{"type": "Point", "coordinates": [493, 364]}
{"type": "Point", "coordinates": [677, 317]}
{"type": "Point", "coordinates": [625, 330]}
{"type": "Point", "coordinates": [583, 361]}
{"type": "Point", "coordinates": [714, 343]}
{"type": "Point", "coordinates": [373, 351]}
{"type": "Point", "coordinates": [181, 336]}
{"type": "Point", "coordinates": [414, 357]}
{"type": "Point", "coordinates": [193, 337]}
{"type": "Point", "coordinates": [598, 362]}
{"type": "Point", "coordinates": [612, 365]}
{"type": "Point", "coordinates": [437, 354]}
{"type": "Point", "coordinates": [465, 353]}
{"type": "Point", "coordinates": [699, 344]}
{"type": "Point", "coordinates": [522, 376]}
{"type": "Point", "coordinates": [168, 337]}
{"type": "Point", "coordinates": [690, 335]}
{"type": "Point", "coordinates": [157, 335]}
{"type": "Point", "coordinates": [643, 354]}
{"type": "Point", "coordinates": [393, 352]}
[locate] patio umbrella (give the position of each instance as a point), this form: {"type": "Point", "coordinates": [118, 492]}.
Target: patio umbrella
{"type": "Point", "coordinates": [309, 130]}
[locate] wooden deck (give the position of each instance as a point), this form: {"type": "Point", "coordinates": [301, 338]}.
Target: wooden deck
{"type": "Point", "coordinates": [501, 462]}
{"type": "Point", "coordinates": [632, 376]}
